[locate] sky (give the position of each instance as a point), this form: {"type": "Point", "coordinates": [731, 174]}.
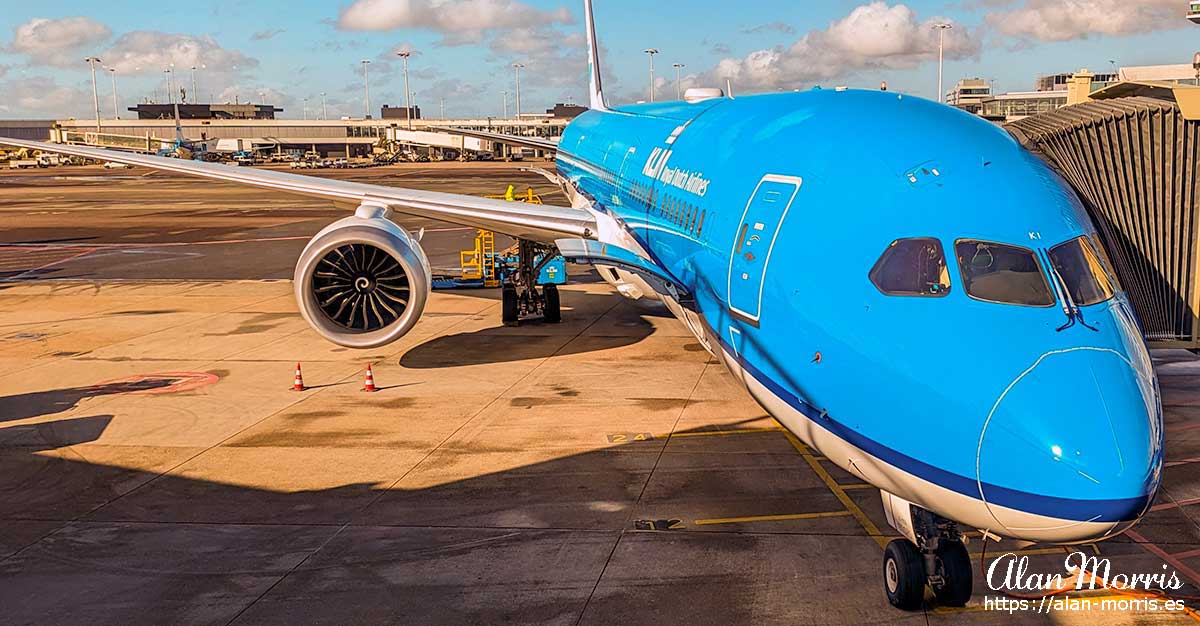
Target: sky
{"type": "Point", "coordinates": [285, 51]}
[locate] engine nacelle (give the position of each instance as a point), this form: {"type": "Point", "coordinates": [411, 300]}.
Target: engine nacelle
{"type": "Point", "coordinates": [362, 282]}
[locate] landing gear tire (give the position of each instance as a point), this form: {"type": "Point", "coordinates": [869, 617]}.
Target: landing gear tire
{"type": "Point", "coordinates": [509, 306]}
{"type": "Point", "coordinates": [954, 563]}
{"type": "Point", "coordinates": [904, 575]}
{"type": "Point", "coordinates": [553, 312]}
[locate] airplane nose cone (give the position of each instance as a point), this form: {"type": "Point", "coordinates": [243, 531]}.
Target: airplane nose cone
{"type": "Point", "coordinates": [1073, 444]}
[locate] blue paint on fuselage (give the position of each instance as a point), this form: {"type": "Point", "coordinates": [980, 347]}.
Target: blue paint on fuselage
{"type": "Point", "coordinates": [988, 400]}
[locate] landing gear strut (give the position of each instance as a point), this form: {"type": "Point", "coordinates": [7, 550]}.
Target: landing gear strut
{"type": "Point", "coordinates": [521, 298]}
{"type": "Point", "coordinates": [938, 559]}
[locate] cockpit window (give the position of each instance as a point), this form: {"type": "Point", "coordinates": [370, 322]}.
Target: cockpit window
{"type": "Point", "coordinates": [912, 267]}
{"type": "Point", "coordinates": [997, 272]}
{"type": "Point", "coordinates": [1079, 264]}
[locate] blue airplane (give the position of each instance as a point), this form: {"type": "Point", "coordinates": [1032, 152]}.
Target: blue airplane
{"type": "Point", "coordinates": [897, 282]}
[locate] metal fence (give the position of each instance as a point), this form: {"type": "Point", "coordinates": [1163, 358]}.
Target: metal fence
{"type": "Point", "coordinates": [1133, 162]}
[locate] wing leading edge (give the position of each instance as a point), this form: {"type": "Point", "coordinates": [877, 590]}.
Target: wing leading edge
{"type": "Point", "coordinates": [543, 223]}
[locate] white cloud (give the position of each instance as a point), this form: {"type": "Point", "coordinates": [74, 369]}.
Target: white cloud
{"type": "Point", "coordinates": [40, 97]}
{"type": "Point", "coordinates": [59, 42]}
{"type": "Point", "coordinates": [258, 95]}
{"type": "Point", "coordinates": [776, 27]}
{"type": "Point", "coordinates": [462, 21]}
{"type": "Point", "coordinates": [872, 36]}
{"type": "Point", "coordinates": [551, 57]}
{"type": "Point", "coordinates": [141, 52]}
{"type": "Point", "coordinates": [264, 35]}
{"type": "Point", "coordinates": [1063, 20]}
{"type": "Point", "coordinates": [460, 98]}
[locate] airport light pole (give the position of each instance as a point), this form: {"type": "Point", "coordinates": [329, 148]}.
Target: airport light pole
{"type": "Point", "coordinates": [678, 93]}
{"type": "Point", "coordinates": [504, 100]}
{"type": "Point", "coordinates": [941, 27]}
{"type": "Point", "coordinates": [92, 61]}
{"type": "Point", "coordinates": [324, 110]}
{"type": "Point", "coordinates": [305, 108]}
{"type": "Point", "coordinates": [366, 90]}
{"type": "Point", "coordinates": [517, 67]}
{"type": "Point", "coordinates": [112, 73]}
{"type": "Point", "coordinates": [195, 90]}
{"type": "Point", "coordinates": [650, 52]}
{"type": "Point", "coordinates": [405, 54]}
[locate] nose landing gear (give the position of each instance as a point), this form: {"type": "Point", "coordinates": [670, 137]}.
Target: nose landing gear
{"type": "Point", "coordinates": [932, 554]}
{"type": "Point", "coordinates": [521, 299]}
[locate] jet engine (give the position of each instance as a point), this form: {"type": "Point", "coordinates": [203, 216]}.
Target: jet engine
{"type": "Point", "coordinates": [362, 282]}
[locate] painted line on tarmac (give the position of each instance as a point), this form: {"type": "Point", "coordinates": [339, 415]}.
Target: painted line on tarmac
{"type": "Point", "coordinates": [1152, 548]}
{"type": "Point", "coordinates": [721, 433]}
{"type": "Point", "coordinates": [839, 492]}
{"type": "Point", "coordinates": [771, 518]}
{"type": "Point", "coordinates": [1174, 504]}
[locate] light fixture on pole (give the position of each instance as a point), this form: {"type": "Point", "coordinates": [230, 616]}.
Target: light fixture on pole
{"type": "Point", "coordinates": [678, 92]}
{"type": "Point", "coordinates": [366, 90]}
{"type": "Point", "coordinates": [941, 27]}
{"type": "Point", "coordinates": [324, 110]}
{"type": "Point", "coordinates": [194, 92]}
{"type": "Point", "coordinates": [650, 52]}
{"type": "Point", "coordinates": [92, 61]}
{"type": "Point", "coordinates": [517, 67]}
{"type": "Point", "coordinates": [112, 72]}
{"type": "Point", "coordinates": [405, 54]}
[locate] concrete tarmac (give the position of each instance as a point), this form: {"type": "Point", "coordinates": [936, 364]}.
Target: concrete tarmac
{"type": "Point", "coordinates": [155, 467]}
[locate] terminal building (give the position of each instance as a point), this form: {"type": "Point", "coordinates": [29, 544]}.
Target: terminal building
{"type": "Point", "coordinates": [969, 94]}
{"type": "Point", "coordinates": [352, 138]}
{"type": "Point", "coordinates": [1054, 91]}
{"type": "Point", "coordinates": [400, 113]}
{"type": "Point", "coordinates": [253, 127]}
{"type": "Point", "coordinates": [148, 111]}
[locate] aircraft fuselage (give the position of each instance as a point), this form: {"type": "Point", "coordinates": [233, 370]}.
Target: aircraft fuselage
{"type": "Point", "coordinates": [1038, 421]}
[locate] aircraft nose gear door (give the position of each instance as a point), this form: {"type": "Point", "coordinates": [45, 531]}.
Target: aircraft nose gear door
{"type": "Point", "coordinates": [765, 212]}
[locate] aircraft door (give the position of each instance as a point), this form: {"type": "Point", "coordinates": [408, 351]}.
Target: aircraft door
{"type": "Point", "coordinates": [754, 241]}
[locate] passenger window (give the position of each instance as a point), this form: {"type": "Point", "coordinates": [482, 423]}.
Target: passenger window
{"type": "Point", "coordinates": [700, 223]}
{"type": "Point", "coordinates": [1081, 269]}
{"type": "Point", "coordinates": [912, 267]}
{"type": "Point", "coordinates": [997, 272]}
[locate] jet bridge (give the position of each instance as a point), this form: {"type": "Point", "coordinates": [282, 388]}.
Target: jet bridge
{"type": "Point", "coordinates": [1133, 162]}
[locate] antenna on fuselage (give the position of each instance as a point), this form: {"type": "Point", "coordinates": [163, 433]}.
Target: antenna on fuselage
{"type": "Point", "coordinates": [595, 88]}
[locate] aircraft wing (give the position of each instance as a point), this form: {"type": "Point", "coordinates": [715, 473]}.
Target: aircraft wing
{"type": "Point", "coordinates": [537, 143]}
{"type": "Point", "coordinates": [542, 223]}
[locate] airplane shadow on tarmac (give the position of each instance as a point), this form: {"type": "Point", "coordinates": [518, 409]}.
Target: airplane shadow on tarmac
{"type": "Point", "coordinates": [39, 403]}
{"type": "Point", "coordinates": [524, 545]}
{"type": "Point", "coordinates": [90, 541]}
{"type": "Point", "coordinates": [504, 345]}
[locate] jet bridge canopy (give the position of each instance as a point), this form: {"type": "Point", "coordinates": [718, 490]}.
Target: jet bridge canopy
{"type": "Point", "coordinates": [1133, 162]}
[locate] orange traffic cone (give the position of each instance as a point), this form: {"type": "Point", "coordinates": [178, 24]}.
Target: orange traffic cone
{"type": "Point", "coordinates": [369, 384]}
{"type": "Point", "coordinates": [298, 384]}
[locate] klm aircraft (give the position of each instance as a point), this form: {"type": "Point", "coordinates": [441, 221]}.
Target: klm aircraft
{"type": "Point", "coordinates": [897, 282]}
